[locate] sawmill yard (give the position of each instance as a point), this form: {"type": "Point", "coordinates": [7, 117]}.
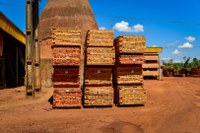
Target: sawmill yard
{"type": "Point", "coordinates": [173, 106]}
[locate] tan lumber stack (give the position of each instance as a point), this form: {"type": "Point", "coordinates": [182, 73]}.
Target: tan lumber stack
{"type": "Point", "coordinates": [67, 53]}
{"type": "Point", "coordinates": [128, 75]}
{"type": "Point", "coordinates": [152, 65]}
{"type": "Point", "coordinates": [100, 59]}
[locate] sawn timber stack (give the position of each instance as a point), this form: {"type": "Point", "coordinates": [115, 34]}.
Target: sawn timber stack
{"type": "Point", "coordinates": [128, 75]}
{"type": "Point", "coordinates": [100, 58]}
{"type": "Point", "coordinates": [67, 54]}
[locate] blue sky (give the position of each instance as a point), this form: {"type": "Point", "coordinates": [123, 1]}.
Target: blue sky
{"type": "Point", "coordinates": [171, 24]}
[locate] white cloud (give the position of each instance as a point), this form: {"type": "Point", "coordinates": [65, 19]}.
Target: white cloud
{"type": "Point", "coordinates": [174, 43]}
{"type": "Point", "coordinates": [154, 45]}
{"type": "Point", "coordinates": [102, 28]}
{"type": "Point", "coordinates": [124, 27]}
{"type": "Point", "coordinates": [186, 45]}
{"type": "Point", "coordinates": [176, 52]}
{"type": "Point", "coordinates": [166, 59]}
{"type": "Point", "coordinates": [190, 38]}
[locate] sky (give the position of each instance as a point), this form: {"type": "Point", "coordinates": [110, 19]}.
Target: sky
{"type": "Point", "coordinates": [171, 24]}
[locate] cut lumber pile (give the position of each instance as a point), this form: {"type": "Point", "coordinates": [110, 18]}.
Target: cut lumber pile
{"type": "Point", "coordinates": [151, 68]}
{"type": "Point", "coordinates": [66, 37]}
{"type": "Point", "coordinates": [131, 59]}
{"type": "Point", "coordinates": [66, 50]}
{"type": "Point", "coordinates": [65, 76]}
{"type": "Point", "coordinates": [128, 76]}
{"type": "Point", "coordinates": [98, 76]}
{"type": "Point", "coordinates": [98, 96]}
{"type": "Point", "coordinates": [67, 97]}
{"type": "Point", "coordinates": [130, 95]}
{"type": "Point", "coordinates": [195, 72]}
{"type": "Point", "coordinates": [100, 56]}
{"type": "Point", "coordinates": [100, 38]}
{"type": "Point", "coordinates": [100, 59]}
{"type": "Point", "coordinates": [130, 44]}
{"type": "Point", "coordinates": [66, 56]}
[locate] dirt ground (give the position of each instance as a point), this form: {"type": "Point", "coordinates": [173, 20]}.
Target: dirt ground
{"type": "Point", "coordinates": [173, 106]}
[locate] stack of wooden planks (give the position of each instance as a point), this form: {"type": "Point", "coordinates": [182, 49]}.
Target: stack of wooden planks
{"type": "Point", "coordinates": [152, 65]}
{"type": "Point", "coordinates": [128, 75]}
{"type": "Point", "coordinates": [100, 59]}
{"type": "Point", "coordinates": [66, 51]}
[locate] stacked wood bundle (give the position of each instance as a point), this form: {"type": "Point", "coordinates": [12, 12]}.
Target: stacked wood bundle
{"type": "Point", "coordinates": [100, 59]}
{"type": "Point", "coordinates": [128, 70]}
{"type": "Point", "coordinates": [66, 50]}
{"type": "Point", "coordinates": [130, 44]}
{"type": "Point", "coordinates": [67, 97]}
{"type": "Point", "coordinates": [98, 76]}
{"type": "Point", "coordinates": [64, 76]}
{"type": "Point", "coordinates": [195, 72]}
{"type": "Point", "coordinates": [130, 94]}
{"type": "Point", "coordinates": [98, 96]}
{"type": "Point", "coordinates": [66, 56]}
{"type": "Point", "coordinates": [152, 65]}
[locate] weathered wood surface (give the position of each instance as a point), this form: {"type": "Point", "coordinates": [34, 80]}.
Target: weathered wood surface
{"type": "Point", "coordinates": [66, 76]}
{"type": "Point", "coordinates": [131, 59]}
{"type": "Point", "coordinates": [150, 65]}
{"type": "Point", "coordinates": [98, 76]}
{"type": "Point", "coordinates": [128, 75]}
{"type": "Point", "coordinates": [130, 44]}
{"type": "Point", "coordinates": [66, 56]}
{"type": "Point", "coordinates": [66, 37]}
{"type": "Point", "coordinates": [130, 95]}
{"type": "Point", "coordinates": [100, 56]}
{"type": "Point", "coordinates": [67, 97]}
{"type": "Point", "coordinates": [98, 96]}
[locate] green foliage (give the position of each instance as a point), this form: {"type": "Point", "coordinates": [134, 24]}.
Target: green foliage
{"type": "Point", "coordinates": [187, 64]}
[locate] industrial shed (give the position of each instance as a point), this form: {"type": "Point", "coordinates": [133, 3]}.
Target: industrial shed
{"type": "Point", "coordinates": [12, 54]}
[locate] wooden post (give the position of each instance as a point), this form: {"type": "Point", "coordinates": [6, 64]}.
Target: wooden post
{"type": "Point", "coordinates": [37, 47]}
{"type": "Point", "coordinates": [29, 46]}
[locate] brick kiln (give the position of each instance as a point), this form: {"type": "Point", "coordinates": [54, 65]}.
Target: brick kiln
{"type": "Point", "coordinates": [62, 13]}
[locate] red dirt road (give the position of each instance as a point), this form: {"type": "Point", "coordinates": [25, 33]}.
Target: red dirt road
{"type": "Point", "coordinates": [173, 106]}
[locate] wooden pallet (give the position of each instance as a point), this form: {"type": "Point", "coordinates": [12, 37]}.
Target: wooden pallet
{"type": "Point", "coordinates": [130, 95]}
{"type": "Point", "coordinates": [66, 56]}
{"type": "Point", "coordinates": [98, 96]}
{"type": "Point", "coordinates": [128, 75]}
{"type": "Point", "coordinates": [67, 97]}
{"type": "Point", "coordinates": [98, 76]}
{"type": "Point", "coordinates": [100, 56]}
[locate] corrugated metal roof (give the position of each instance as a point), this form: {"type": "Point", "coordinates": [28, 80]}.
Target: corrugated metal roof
{"type": "Point", "coordinates": [7, 26]}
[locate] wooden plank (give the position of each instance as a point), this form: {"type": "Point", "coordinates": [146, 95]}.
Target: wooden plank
{"type": "Point", "coordinates": [67, 97]}
{"type": "Point", "coordinates": [98, 96]}
{"type": "Point", "coordinates": [153, 50]}
{"type": "Point", "coordinates": [130, 95]}
{"type": "Point", "coordinates": [98, 76]}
